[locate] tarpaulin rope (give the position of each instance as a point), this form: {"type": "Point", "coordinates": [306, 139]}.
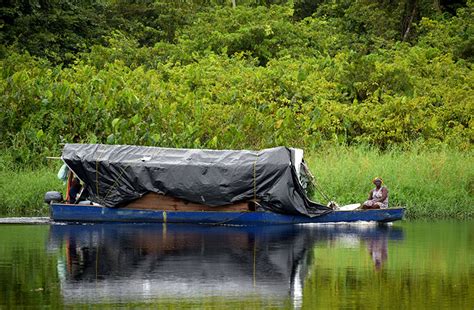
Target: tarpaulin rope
{"type": "Point", "coordinates": [316, 185]}
{"type": "Point", "coordinates": [320, 190]}
{"type": "Point", "coordinates": [122, 171]}
{"type": "Point", "coordinates": [97, 177]}
{"type": "Point", "coordinates": [255, 179]}
{"type": "Point", "coordinates": [226, 221]}
{"type": "Point", "coordinates": [97, 174]}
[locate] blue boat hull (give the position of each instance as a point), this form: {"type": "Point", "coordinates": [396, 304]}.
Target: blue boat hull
{"type": "Point", "coordinates": [86, 213]}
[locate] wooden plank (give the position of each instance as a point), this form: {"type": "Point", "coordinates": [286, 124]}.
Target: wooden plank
{"type": "Point", "coordinates": [53, 157]}
{"type": "Point", "coordinates": [153, 201]}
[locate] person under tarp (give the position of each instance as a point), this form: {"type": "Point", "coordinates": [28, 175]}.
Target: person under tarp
{"type": "Point", "coordinates": [74, 191]}
{"type": "Point", "coordinates": [73, 184]}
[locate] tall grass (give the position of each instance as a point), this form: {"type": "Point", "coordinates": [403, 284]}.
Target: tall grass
{"type": "Point", "coordinates": [22, 191]}
{"type": "Point", "coordinates": [430, 184]}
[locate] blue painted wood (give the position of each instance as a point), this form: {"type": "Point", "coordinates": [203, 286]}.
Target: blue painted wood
{"type": "Point", "coordinates": [86, 213]}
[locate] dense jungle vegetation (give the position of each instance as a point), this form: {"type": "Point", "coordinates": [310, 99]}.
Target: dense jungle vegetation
{"type": "Point", "coordinates": [382, 74]}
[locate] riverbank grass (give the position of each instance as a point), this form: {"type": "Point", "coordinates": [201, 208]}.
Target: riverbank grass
{"type": "Point", "coordinates": [22, 191]}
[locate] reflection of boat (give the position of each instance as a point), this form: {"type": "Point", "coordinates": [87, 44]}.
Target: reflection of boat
{"type": "Point", "coordinates": [149, 261]}
{"type": "Point", "coordinates": [150, 184]}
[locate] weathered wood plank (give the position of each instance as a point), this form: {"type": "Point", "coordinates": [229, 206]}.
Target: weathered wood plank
{"type": "Point", "coordinates": [153, 201]}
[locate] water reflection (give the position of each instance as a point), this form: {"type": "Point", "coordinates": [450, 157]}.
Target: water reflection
{"type": "Point", "coordinates": [377, 247]}
{"type": "Point", "coordinates": [126, 262]}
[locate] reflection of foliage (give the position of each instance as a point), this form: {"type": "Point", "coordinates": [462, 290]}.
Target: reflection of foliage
{"type": "Point", "coordinates": [421, 272]}
{"type": "Point", "coordinates": [28, 276]}
{"type": "Point", "coordinates": [205, 75]}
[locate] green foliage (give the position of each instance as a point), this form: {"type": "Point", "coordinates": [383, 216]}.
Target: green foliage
{"type": "Point", "coordinates": [109, 97]}
{"type": "Point", "coordinates": [53, 29]}
{"type": "Point", "coordinates": [58, 30]}
{"type": "Point", "coordinates": [454, 35]}
{"type": "Point", "coordinates": [264, 33]}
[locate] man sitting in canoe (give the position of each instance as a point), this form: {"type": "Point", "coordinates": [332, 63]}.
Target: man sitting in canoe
{"type": "Point", "coordinates": [378, 197]}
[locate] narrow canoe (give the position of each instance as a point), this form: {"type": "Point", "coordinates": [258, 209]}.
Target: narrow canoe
{"type": "Point", "coordinates": [87, 213]}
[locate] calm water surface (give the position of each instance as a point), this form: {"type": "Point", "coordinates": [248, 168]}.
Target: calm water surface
{"type": "Point", "coordinates": [409, 265]}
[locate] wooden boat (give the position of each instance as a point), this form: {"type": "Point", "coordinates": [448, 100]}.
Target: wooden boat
{"type": "Point", "coordinates": [149, 184]}
{"type": "Point", "coordinates": [92, 213]}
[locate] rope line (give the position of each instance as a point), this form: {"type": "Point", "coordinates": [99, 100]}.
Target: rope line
{"type": "Point", "coordinates": [122, 171]}
{"type": "Point", "coordinates": [97, 178]}
{"type": "Point", "coordinates": [255, 179]}
{"type": "Point", "coordinates": [320, 190]}
{"type": "Point", "coordinates": [97, 175]}
{"type": "Point", "coordinates": [313, 182]}
{"type": "Point", "coordinates": [226, 221]}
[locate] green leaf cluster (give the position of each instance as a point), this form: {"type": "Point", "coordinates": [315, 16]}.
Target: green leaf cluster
{"type": "Point", "coordinates": [202, 74]}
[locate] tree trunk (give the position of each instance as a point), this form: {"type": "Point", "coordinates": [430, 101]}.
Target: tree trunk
{"type": "Point", "coordinates": [408, 20]}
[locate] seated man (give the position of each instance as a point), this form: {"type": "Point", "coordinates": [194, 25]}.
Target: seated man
{"type": "Point", "coordinates": [378, 197]}
{"type": "Point", "coordinates": [74, 190]}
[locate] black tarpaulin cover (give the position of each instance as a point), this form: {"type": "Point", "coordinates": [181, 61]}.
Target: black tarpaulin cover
{"type": "Point", "coordinates": [118, 174]}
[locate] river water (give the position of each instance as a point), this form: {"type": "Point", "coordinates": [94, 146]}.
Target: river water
{"type": "Point", "coordinates": [408, 265]}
